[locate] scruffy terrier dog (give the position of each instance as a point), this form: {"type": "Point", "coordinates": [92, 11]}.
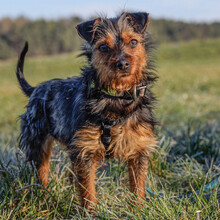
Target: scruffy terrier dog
{"type": "Point", "coordinates": [105, 113]}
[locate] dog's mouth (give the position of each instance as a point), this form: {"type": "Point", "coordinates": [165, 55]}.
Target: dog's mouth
{"type": "Point", "coordinates": [123, 73]}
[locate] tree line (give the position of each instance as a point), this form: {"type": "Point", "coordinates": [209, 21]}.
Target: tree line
{"type": "Point", "coordinates": [48, 37]}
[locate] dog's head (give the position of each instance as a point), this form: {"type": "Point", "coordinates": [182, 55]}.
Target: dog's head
{"type": "Point", "coordinates": [118, 49]}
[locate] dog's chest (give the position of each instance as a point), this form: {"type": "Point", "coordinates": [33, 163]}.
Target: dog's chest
{"type": "Point", "coordinates": [126, 139]}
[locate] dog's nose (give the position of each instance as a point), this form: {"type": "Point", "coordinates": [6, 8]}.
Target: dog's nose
{"type": "Point", "coordinates": [122, 64]}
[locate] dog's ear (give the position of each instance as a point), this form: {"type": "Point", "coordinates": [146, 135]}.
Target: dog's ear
{"type": "Point", "coordinates": [86, 30]}
{"type": "Point", "coordinates": [139, 21]}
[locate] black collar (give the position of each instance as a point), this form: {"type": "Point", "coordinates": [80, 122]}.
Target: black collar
{"type": "Point", "coordinates": [134, 94]}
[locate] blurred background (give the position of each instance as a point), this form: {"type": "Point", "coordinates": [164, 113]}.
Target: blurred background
{"type": "Point", "coordinates": [188, 33]}
{"type": "Point", "coordinates": [188, 88]}
{"type": "Point", "coordinates": [188, 54]}
{"type": "Point", "coordinates": [49, 25]}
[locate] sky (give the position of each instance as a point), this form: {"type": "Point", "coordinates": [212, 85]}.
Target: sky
{"type": "Point", "coordinates": [185, 10]}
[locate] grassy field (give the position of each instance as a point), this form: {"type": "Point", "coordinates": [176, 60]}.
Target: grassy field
{"type": "Point", "coordinates": [188, 91]}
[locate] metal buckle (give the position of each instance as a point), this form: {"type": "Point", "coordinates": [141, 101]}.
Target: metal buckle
{"type": "Point", "coordinates": [136, 98]}
{"type": "Point", "coordinates": [141, 87]}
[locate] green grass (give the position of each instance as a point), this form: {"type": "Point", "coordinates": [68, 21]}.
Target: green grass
{"type": "Point", "coordinates": [188, 108]}
{"type": "Point", "coordinates": [189, 81]}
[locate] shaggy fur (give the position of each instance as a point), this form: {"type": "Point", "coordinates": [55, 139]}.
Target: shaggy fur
{"type": "Point", "coordinates": [106, 112]}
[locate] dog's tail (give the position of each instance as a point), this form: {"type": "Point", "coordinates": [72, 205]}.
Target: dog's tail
{"type": "Point", "coordinates": [25, 86]}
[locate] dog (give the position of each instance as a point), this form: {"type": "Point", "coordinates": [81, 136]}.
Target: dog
{"type": "Point", "coordinates": [104, 113]}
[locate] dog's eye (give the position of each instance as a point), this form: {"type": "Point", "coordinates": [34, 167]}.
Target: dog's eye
{"type": "Point", "coordinates": [133, 43]}
{"type": "Point", "coordinates": [103, 48]}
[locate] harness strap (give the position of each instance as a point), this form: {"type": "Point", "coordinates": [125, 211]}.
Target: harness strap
{"type": "Point", "coordinates": [106, 135]}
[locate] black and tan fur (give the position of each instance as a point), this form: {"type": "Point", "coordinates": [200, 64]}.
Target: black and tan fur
{"type": "Point", "coordinates": [98, 113]}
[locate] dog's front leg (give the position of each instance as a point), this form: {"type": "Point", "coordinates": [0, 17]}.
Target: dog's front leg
{"type": "Point", "coordinates": [85, 171]}
{"type": "Point", "coordinates": [137, 168]}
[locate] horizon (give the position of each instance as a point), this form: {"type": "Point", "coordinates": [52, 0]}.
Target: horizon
{"type": "Point", "coordinates": [196, 11]}
{"type": "Point", "coordinates": [92, 16]}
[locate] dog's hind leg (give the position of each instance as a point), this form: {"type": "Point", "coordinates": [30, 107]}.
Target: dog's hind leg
{"type": "Point", "coordinates": [39, 151]}
{"type": "Point", "coordinates": [35, 138]}
{"type": "Point", "coordinates": [43, 166]}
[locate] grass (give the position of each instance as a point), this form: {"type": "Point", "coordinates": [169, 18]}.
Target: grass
{"type": "Point", "coordinates": [189, 81]}
{"type": "Point", "coordinates": [189, 138]}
